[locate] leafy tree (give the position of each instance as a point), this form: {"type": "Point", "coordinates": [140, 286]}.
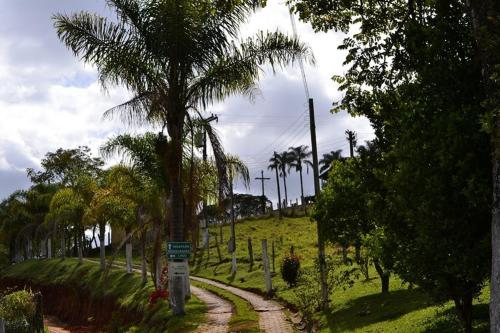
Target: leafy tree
{"type": "Point", "coordinates": [245, 205]}
{"type": "Point", "coordinates": [299, 156]}
{"type": "Point", "coordinates": [175, 55]}
{"type": "Point", "coordinates": [64, 165]}
{"type": "Point", "coordinates": [416, 73]}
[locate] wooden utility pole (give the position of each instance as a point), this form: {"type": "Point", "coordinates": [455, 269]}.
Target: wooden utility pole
{"type": "Point", "coordinates": [206, 121]}
{"type": "Point", "coordinates": [321, 242]}
{"type": "Point", "coordinates": [262, 179]}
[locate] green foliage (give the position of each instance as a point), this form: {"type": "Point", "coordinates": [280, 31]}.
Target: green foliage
{"type": "Point", "coordinates": [308, 291]}
{"type": "Point", "coordinates": [64, 165]}
{"type": "Point", "coordinates": [413, 71]}
{"type": "Point", "coordinates": [290, 269]}
{"type": "Point", "coordinates": [18, 310]}
{"type": "Point", "coordinates": [126, 289]}
{"type": "Point", "coordinates": [245, 205]}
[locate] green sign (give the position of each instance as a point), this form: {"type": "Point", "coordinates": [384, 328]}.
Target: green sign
{"type": "Point", "coordinates": [178, 250]}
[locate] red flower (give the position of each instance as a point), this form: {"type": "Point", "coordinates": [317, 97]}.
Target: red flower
{"type": "Point", "coordinates": [156, 295]}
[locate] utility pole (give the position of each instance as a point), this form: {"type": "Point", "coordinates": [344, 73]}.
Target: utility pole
{"type": "Point", "coordinates": [262, 179]}
{"type": "Point", "coordinates": [321, 242]}
{"type": "Point", "coordinates": [205, 225]}
{"type": "Point", "coordinates": [351, 137]}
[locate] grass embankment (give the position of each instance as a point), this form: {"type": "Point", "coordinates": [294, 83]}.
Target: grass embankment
{"type": "Point", "coordinates": [126, 290]}
{"type": "Point", "coordinates": [361, 308]}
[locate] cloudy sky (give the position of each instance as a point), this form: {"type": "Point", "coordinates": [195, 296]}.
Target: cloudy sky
{"type": "Point", "coordinates": [48, 99]}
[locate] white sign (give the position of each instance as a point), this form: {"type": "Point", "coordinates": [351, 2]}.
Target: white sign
{"type": "Point", "coordinates": [178, 268]}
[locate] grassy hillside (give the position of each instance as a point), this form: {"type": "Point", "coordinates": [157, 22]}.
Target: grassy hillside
{"type": "Point", "coordinates": [126, 290]}
{"type": "Point", "coordinates": [358, 309]}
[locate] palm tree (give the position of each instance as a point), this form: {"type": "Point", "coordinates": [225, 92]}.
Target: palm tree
{"type": "Point", "coordinates": [236, 170]}
{"type": "Point", "coordinates": [274, 164]}
{"type": "Point", "coordinates": [175, 55]}
{"type": "Point", "coordinates": [140, 153]}
{"type": "Point", "coordinates": [328, 158]}
{"type": "Point", "coordinates": [298, 156]}
{"type": "Point", "coordinates": [67, 210]}
{"type": "Point", "coordinates": [284, 160]}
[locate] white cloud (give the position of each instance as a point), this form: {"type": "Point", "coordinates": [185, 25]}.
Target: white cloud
{"type": "Point", "coordinates": [48, 99]}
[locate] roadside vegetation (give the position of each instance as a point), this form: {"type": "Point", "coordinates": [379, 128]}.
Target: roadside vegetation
{"type": "Point", "coordinates": [126, 290]}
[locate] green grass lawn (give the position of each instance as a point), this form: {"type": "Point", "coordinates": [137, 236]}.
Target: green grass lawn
{"type": "Point", "coordinates": [358, 309]}
{"type": "Point", "coordinates": [126, 289]}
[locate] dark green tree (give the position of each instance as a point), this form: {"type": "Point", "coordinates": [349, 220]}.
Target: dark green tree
{"type": "Point", "coordinates": [416, 73]}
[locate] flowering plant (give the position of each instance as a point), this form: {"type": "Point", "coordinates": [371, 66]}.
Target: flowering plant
{"type": "Point", "coordinates": [157, 295]}
{"type": "Point", "coordinates": [290, 268]}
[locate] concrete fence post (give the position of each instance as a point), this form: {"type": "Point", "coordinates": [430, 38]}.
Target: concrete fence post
{"type": "Point", "coordinates": [2, 326]}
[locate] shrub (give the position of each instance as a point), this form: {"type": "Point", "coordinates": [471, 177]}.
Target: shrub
{"type": "Point", "coordinates": [290, 268]}
{"type": "Point", "coordinates": [18, 311]}
{"type": "Point", "coordinates": [308, 291]}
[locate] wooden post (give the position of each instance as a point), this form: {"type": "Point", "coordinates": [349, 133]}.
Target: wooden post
{"type": "Point", "coordinates": [267, 273]}
{"type": "Point", "coordinates": [217, 245]}
{"type": "Point", "coordinates": [2, 326]}
{"type": "Point", "coordinates": [250, 252]}
{"type": "Point", "coordinates": [38, 318]}
{"type": "Point", "coordinates": [273, 253]}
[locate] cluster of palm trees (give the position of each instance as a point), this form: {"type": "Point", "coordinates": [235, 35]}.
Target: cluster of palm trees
{"type": "Point", "coordinates": [176, 57]}
{"type": "Point", "coordinates": [297, 158]}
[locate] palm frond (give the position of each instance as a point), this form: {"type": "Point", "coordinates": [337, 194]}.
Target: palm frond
{"type": "Point", "coordinates": [238, 71]}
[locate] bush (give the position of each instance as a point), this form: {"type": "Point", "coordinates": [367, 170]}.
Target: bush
{"type": "Point", "coordinates": [18, 311]}
{"type": "Point", "coordinates": [290, 268]}
{"type": "Point", "coordinates": [308, 291]}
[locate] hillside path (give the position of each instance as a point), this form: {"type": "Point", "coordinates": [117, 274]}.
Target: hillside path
{"type": "Point", "coordinates": [218, 314]}
{"type": "Point", "coordinates": [272, 319]}
{"type": "Point", "coordinates": [219, 311]}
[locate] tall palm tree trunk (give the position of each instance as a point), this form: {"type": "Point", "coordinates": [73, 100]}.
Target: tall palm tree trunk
{"type": "Point", "coordinates": [102, 246]}
{"type": "Point", "coordinates": [144, 266]}
{"type": "Point", "coordinates": [156, 269]}
{"type": "Point", "coordinates": [279, 192]}
{"type": "Point", "coordinates": [174, 162]}
{"type": "Point", "coordinates": [49, 248]}
{"type": "Point", "coordinates": [284, 185]}
{"type": "Point", "coordinates": [128, 253]}
{"type": "Point", "coordinates": [63, 245]}
{"type": "Point", "coordinates": [233, 232]}
{"type": "Point", "coordinates": [302, 201]}
{"type": "Point", "coordinates": [79, 245]}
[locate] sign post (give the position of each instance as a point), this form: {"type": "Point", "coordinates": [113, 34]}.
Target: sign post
{"type": "Point", "coordinates": [178, 250]}
{"type": "Point", "coordinates": [178, 254]}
